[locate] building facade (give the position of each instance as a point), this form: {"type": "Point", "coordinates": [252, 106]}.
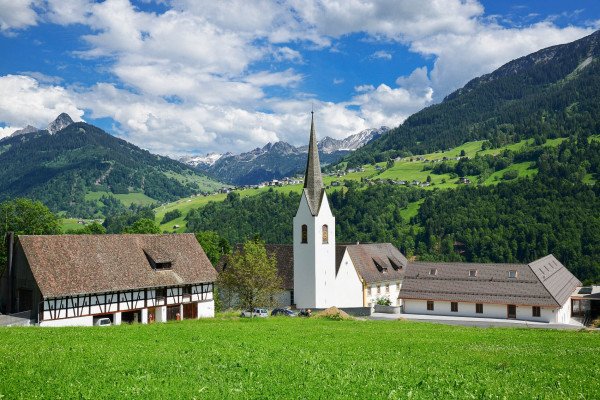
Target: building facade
{"type": "Point", "coordinates": [73, 280]}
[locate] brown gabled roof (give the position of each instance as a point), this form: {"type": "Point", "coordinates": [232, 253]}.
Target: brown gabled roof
{"type": "Point", "coordinates": [555, 277]}
{"type": "Point", "coordinates": [491, 285]}
{"type": "Point", "coordinates": [284, 258]}
{"type": "Point", "coordinates": [377, 262]}
{"type": "Point", "coordinates": [65, 265]}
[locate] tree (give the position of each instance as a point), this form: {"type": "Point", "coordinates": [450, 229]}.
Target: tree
{"type": "Point", "coordinates": [25, 217]}
{"type": "Point", "coordinates": [252, 275]}
{"type": "Point", "coordinates": [389, 164]}
{"type": "Point", "coordinates": [214, 245]}
{"type": "Point", "coordinates": [144, 225]}
{"type": "Point", "coordinates": [171, 215]}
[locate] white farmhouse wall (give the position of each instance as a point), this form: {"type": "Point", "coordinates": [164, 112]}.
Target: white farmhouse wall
{"type": "Point", "coordinates": [77, 321]}
{"type": "Point", "coordinates": [314, 262]}
{"type": "Point", "coordinates": [206, 309]}
{"type": "Point", "coordinates": [348, 286]}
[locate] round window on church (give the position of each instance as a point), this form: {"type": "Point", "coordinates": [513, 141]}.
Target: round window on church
{"type": "Point", "coordinates": [325, 234]}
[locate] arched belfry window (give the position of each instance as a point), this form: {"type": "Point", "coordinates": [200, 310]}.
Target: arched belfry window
{"type": "Point", "coordinates": [325, 234]}
{"type": "Point", "coordinates": [304, 234]}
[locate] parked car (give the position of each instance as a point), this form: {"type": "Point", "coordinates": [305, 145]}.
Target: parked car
{"type": "Point", "coordinates": [103, 322]}
{"type": "Point", "coordinates": [257, 312]}
{"type": "Point", "coordinates": [283, 312]}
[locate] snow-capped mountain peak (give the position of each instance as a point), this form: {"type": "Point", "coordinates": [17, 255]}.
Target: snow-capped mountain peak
{"type": "Point", "coordinates": [209, 159]}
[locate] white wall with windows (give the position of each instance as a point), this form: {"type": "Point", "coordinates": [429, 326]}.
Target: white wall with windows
{"type": "Point", "coordinates": [499, 311]}
{"type": "Point", "coordinates": [389, 289]}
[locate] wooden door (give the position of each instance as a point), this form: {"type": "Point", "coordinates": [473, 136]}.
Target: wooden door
{"type": "Point", "coordinates": [512, 311]}
{"type": "Point", "coordinates": [172, 312]}
{"type": "Point", "coordinates": [190, 310]}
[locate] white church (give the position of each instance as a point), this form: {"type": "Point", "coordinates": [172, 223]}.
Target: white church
{"type": "Point", "coordinates": [326, 274]}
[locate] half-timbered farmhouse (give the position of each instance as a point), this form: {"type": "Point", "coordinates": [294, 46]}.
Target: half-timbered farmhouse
{"type": "Point", "coordinates": [76, 279]}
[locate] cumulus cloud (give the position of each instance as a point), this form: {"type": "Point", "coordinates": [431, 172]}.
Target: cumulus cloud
{"type": "Point", "coordinates": [17, 14]}
{"type": "Point", "coordinates": [25, 101]}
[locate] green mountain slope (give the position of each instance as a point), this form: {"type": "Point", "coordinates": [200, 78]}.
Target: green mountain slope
{"type": "Point", "coordinates": [61, 169]}
{"type": "Point", "coordinates": [551, 93]}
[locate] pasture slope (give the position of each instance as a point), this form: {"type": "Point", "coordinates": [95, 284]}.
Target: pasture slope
{"type": "Point", "coordinates": [279, 358]}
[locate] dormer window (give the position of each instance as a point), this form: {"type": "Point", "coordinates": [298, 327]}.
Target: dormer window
{"type": "Point", "coordinates": [433, 271]}
{"type": "Point", "coordinates": [472, 273]}
{"type": "Point", "coordinates": [512, 273]}
{"type": "Point", "coordinates": [159, 259]}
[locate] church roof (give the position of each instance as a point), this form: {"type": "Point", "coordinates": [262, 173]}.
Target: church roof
{"type": "Point", "coordinates": [376, 262]}
{"type": "Point", "coordinates": [66, 265]}
{"type": "Point", "coordinates": [545, 282]}
{"type": "Point", "coordinates": [313, 181]}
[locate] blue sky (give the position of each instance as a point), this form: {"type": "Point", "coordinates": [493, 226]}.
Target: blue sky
{"type": "Point", "coordinates": [193, 76]}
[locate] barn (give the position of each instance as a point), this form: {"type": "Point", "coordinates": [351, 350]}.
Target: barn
{"type": "Point", "coordinates": [73, 280]}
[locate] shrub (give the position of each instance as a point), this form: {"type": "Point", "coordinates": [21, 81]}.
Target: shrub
{"type": "Point", "coordinates": [384, 301]}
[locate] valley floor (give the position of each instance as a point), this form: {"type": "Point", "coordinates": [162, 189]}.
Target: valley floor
{"type": "Point", "coordinates": [297, 358]}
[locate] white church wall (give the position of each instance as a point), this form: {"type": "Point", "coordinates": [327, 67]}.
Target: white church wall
{"type": "Point", "coordinates": [314, 262]}
{"type": "Point", "coordinates": [349, 288]}
{"type": "Point", "coordinates": [206, 309]}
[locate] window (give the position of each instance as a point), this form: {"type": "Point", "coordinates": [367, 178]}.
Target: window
{"type": "Point", "coordinates": [161, 293]}
{"type": "Point", "coordinates": [325, 234]}
{"type": "Point", "coordinates": [187, 290]}
{"type": "Point", "coordinates": [536, 311]}
{"type": "Point", "coordinates": [387, 288]}
{"type": "Point", "coordinates": [472, 273]}
{"type": "Point", "coordinates": [304, 234]}
{"type": "Point", "coordinates": [429, 305]}
{"type": "Point", "coordinates": [291, 297]}
{"type": "Point", "coordinates": [433, 271]}
{"type": "Point", "coordinates": [512, 273]}
{"type": "Point", "coordinates": [479, 308]}
{"type": "Point", "coordinates": [454, 306]}
{"type": "Point", "coordinates": [163, 265]}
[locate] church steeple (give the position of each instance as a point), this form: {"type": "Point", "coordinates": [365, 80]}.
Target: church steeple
{"type": "Point", "coordinates": [313, 181]}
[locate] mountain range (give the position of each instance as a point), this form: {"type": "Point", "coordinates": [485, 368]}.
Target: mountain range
{"type": "Point", "coordinates": [277, 160]}
{"type": "Point", "coordinates": [65, 164]}
{"type": "Point", "coordinates": [552, 92]}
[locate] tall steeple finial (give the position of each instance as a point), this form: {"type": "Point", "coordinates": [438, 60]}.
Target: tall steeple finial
{"type": "Point", "coordinates": [313, 181]}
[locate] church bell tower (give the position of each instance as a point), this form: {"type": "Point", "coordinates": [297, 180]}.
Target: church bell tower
{"type": "Point", "coordinates": [314, 237]}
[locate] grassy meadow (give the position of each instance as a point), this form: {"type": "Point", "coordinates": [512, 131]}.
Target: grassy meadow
{"type": "Point", "coordinates": [297, 358]}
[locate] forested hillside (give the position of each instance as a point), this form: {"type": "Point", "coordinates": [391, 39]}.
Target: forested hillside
{"type": "Point", "coordinates": [514, 221]}
{"type": "Point", "coordinates": [551, 93]}
{"type": "Point", "coordinates": [60, 169]}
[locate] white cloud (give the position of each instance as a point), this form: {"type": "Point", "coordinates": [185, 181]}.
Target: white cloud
{"type": "Point", "coordinates": [202, 71]}
{"type": "Point", "coordinates": [17, 14]}
{"type": "Point", "coordinates": [7, 131]}
{"type": "Point", "coordinates": [381, 54]}
{"type": "Point", "coordinates": [25, 101]}
{"type": "Point", "coordinates": [338, 81]}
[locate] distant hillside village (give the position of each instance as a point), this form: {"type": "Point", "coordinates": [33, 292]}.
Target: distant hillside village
{"type": "Point", "coordinates": [82, 280]}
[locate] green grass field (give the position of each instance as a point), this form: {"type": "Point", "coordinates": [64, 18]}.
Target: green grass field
{"type": "Point", "coordinates": [279, 358]}
{"type": "Point", "coordinates": [126, 198]}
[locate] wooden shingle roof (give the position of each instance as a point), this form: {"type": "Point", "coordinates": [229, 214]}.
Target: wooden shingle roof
{"type": "Point", "coordinates": [492, 284]}
{"type": "Point", "coordinates": [67, 265]}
